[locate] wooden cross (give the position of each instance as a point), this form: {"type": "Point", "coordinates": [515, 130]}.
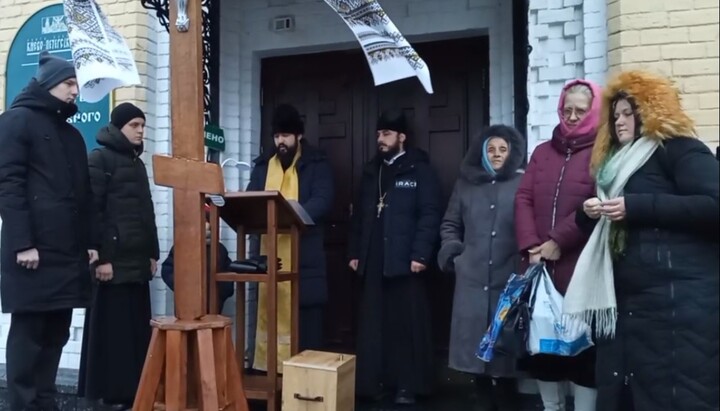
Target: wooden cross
{"type": "Point", "coordinates": [190, 361]}
{"type": "Point", "coordinates": [190, 179]}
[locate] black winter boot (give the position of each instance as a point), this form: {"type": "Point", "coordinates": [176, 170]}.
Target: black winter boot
{"type": "Point", "coordinates": [484, 386]}
{"type": "Point", "coordinates": [505, 394]}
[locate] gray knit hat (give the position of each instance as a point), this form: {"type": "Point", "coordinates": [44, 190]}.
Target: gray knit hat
{"type": "Point", "coordinates": [53, 70]}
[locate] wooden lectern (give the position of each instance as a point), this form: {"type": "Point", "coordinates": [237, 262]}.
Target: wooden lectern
{"type": "Point", "coordinates": [261, 212]}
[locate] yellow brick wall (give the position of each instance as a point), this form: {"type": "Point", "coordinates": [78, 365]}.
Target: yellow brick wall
{"type": "Point", "coordinates": [127, 16]}
{"type": "Point", "coordinates": [678, 38]}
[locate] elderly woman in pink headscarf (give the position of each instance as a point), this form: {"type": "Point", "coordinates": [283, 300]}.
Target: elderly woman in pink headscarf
{"type": "Point", "coordinates": [556, 182]}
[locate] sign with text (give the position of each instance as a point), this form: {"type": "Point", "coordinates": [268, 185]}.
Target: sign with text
{"type": "Point", "coordinates": [214, 138]}
{"type": "Point", "coordinates": [46, 30]}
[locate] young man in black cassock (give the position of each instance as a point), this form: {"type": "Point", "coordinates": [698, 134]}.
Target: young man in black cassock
{"type": "Point", "coordinates": [394, 232]}
{"type": "Point", "coordinates": [117, 325]}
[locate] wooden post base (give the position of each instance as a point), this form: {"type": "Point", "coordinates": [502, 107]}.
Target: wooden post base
{"type": "Point", "coordinates": [190, 365]}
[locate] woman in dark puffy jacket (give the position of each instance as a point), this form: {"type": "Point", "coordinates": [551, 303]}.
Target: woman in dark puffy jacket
{"type": "Point", "coordinates": [556, 182]}
{"type": "Point", "coordinates": [649, 273]}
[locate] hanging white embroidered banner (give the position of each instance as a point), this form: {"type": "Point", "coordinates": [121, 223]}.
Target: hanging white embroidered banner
{"type": "Point", "coordinates": [103, 61]}
{"type": "Point", "coordinates": [389, 55]}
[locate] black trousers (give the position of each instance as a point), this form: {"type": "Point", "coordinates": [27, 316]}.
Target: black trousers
{"type": "Point", "coordinates": [34, 346]}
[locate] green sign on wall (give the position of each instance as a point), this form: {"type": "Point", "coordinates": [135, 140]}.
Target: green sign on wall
{"type": "Point", "coordinates": [46, 30]}
{"type": "Point", "coordinates": [214, 137]}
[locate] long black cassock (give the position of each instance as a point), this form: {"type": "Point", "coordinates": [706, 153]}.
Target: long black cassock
{"type": "Point", "coordinates": [395, 348]}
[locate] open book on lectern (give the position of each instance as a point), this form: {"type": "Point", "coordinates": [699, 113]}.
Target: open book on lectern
{"type": "Point", "coordinates": [304, 216]}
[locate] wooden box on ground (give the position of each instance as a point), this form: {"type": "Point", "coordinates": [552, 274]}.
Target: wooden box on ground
{"type": "Point", "coordinates": [319, 381]}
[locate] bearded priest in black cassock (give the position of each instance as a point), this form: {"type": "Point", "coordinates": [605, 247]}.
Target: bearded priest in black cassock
{"type": "Point", "coordinates": [394, 232]}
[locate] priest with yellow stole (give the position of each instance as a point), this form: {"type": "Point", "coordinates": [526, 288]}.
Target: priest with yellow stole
{"type": "Point", "coordinates": [301, 172]}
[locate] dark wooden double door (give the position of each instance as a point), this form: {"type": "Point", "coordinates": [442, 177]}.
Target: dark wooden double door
{"type": "Point", "coordinates": [335, 94]}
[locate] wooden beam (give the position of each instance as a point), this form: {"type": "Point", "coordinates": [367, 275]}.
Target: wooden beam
{"type": "Point", "coordinates": [186, 109]}
{"type": "Point", "coordinates": [190, 255]}
{"type": "Point", "coordinates": [186, 84]}
{"type": "Point", "coordinates": [188, 175]}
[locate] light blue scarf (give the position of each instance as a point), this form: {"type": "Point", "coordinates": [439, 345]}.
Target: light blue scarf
{"type": "Point", "coordinates": [487, 165]}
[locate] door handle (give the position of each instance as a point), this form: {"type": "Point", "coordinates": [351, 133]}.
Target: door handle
{"type": "Point", "coordinates": [319, 398]}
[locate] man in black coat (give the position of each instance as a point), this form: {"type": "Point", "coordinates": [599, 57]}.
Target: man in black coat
{"type": "Point", "coordinates": [315, 195]}
{"type": "Point", "coordinates": [47, 237]}
{"type": "Point", "coordinates": [395, 226]}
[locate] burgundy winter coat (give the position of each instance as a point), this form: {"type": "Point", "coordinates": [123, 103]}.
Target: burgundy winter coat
{"type": "Point", "coordinates": [556, 183]}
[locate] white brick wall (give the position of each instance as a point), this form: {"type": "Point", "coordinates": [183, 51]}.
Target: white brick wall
{"type": "Point", "coordinates": [595, 36]}
{"type": "Point", "coordinates": [569, 40]}
{"type": "Point", "coordinates": [158, 141]}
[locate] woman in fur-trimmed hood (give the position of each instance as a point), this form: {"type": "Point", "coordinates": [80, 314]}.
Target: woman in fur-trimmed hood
{"type": "Point", "coordinates": [478, 244]}
{"type": "Point", "coordinates": [648, 276]}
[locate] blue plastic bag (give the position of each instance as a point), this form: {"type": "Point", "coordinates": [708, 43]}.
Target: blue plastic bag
{"type": "Point", "coordinates": [514, 289]}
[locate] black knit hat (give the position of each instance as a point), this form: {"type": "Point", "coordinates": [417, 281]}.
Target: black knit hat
{"type": "Point", "coordinates": [393, 120]}
{"type": "Point", "coordinates": [124, 113]}
{"type": "Point", "coordinates": [286, 119]}
{"type": "Point", "coordinates": [53, 70]}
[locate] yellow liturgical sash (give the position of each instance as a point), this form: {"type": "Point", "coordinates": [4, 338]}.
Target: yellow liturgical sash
{"type": "Point", "coordinates": [286, 182]}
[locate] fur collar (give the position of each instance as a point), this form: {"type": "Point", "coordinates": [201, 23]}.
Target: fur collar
{"type": "Point", "coordinates": [659, 108]}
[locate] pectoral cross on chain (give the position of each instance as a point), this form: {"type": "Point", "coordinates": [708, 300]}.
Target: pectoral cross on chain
{"type": "Point", "coordinates": [381, 197]}
{"type": "Point", "coordinates": [380, 205]}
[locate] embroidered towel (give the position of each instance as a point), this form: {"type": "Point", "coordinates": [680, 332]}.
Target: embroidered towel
{"type": "Point", "coordinates": [389, 55]}
{"type": "Point", "coordinates": [103, 61]}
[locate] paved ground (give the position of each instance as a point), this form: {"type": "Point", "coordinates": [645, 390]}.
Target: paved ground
{"type": "Point", "coordinates": [450, 401]}
{"type": "Point", "coordinates": [454, 394]}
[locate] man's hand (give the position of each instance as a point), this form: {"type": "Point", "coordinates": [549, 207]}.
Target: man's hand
{"type": "Point", "coordinates": [29, 259]}
{"type": "Point", "coordinates": [353, 264]}
{"type": "Point", "coordinates": [614, 209]}
{"type": "Point", "coordinates": [93, 256]}
{"type": "Point", "coordinates": [104, 272]}
{"type": "Point", "coordinates": [416, 267]}
{"type": "Point", "coordinates": [592, 208]}
{"type": "Point", "coordinates": [153, 266]}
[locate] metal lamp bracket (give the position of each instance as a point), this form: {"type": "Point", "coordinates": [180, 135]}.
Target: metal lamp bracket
{"type": "Point", "coordinates": [182, 23]}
